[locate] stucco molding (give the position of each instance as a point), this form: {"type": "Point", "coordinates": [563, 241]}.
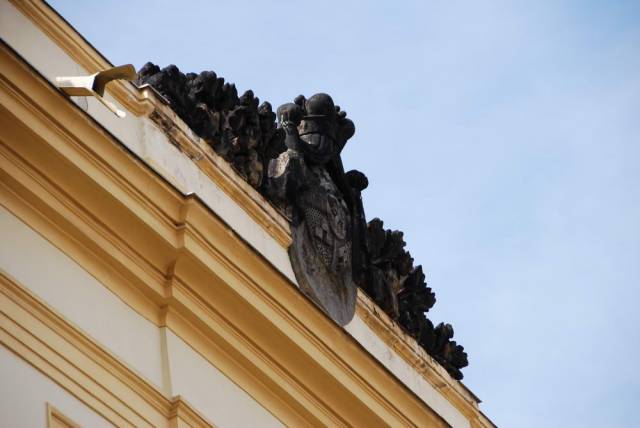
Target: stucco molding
{"type": "Point", "coordinates": [146, 102]}
{"type": "Point", "coordinates": [217, 169]}
{"type": "Point", "coordinates": [34, 331]}
{"type": "Point", "coordinates": [83, 53]}
{"type": "Point", "coordinates": [56, 418]}
{"type": "Point", "coordinates": [407, 348]}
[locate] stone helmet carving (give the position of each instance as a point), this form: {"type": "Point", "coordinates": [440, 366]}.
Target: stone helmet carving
{"type": "Point", "coordinates": [318, 118]}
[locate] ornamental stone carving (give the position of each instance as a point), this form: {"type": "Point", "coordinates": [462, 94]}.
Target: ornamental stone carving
{"type": "Point", "coordinates": [309, 182]}
{"type": "Point", "coordinates": [238, 128]}
{"type": "Point", "coordinates": [297, 166]}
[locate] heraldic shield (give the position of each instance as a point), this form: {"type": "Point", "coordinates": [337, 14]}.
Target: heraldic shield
{"type": "Point", "coordinates": [312, 188]}
{"type": "Point", "coordinates": [321, 250]}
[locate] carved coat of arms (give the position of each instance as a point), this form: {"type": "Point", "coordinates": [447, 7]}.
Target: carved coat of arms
{"type": "Point", "coordinates": [324, 203]}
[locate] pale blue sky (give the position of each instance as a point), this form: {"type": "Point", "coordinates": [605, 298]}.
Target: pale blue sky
{"type": "Point", "coordinates": [503, 138]}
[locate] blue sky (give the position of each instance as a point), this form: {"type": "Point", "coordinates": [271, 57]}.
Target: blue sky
{"type": "Point", "coordinates": [502, 137]}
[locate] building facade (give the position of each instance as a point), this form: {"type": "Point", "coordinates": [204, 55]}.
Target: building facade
{"type": "Point", "coordinates": [143, 282]}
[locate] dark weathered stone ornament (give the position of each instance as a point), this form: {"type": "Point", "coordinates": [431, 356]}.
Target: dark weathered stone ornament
{"type": "Point", "coordinates": [309, 181]}
{"type": "Point", "coordinates": [238, 128]}
{"type": "Point", "coordinates": [297, 166]}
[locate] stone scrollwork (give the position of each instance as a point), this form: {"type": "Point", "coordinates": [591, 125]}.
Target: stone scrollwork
{"type": "Point", "coordinates": [297, 166]}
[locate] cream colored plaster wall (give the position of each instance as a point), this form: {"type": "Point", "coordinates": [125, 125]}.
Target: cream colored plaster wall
{"type": "Point", "coordinates": [51, 275]}
{"type": "Point", "coordinates": [24, 393]}
{"type": "Point", "coordinates": [403, 371]}
{"type": "Point", "coordinates": [156, 353]}
{"type": "Point", "coordinates": [140, 135]}
{"type": "Point", "coordinates": [212, 393]}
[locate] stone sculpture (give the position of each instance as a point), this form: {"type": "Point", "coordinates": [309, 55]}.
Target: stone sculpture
{"type": "Point", "coordinates": [309, 181]}
{"type": "Point", "coordinates": [297, 166]}
{"type": "Point", "coordinates": [238, 128]}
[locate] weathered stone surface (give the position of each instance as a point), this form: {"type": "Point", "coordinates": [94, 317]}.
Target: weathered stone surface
{"type": "Point", "coordinates": [437, 342]}
{"type": "Point", "coordinates": [309, 182]}
{"type": "Point", "coordinates": [298, 167]}
{"type": "Point", "coordinates": [401, 291]}
{"type": "Point", "coordinates": [238, 128]}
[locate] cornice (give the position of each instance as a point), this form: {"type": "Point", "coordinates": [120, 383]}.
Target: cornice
{"type": "Point", "coordinates": [65, 36]}
{"type": "Point", "coordinates": [182, 225]}
{"type": "Point", "coordinates": [145, 102]}
{"type": "Point", "coordinates": [278, 331]}
{"type": "Point", "coordinates": [412, 353]}
{"type": "Point", "coordinates": [217, 169]}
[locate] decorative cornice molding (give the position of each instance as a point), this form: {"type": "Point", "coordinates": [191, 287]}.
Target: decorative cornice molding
{"type": "Point", "coordinates": [61, 32]}
{"type": "Point", "coordinates": [218, 170]}
{"type": "Point", "coordinates": [411, 352]}
{"type": "Point", "coordinates": [224, 273]}
{"type": "Point", "coordinates": [145, 101]}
